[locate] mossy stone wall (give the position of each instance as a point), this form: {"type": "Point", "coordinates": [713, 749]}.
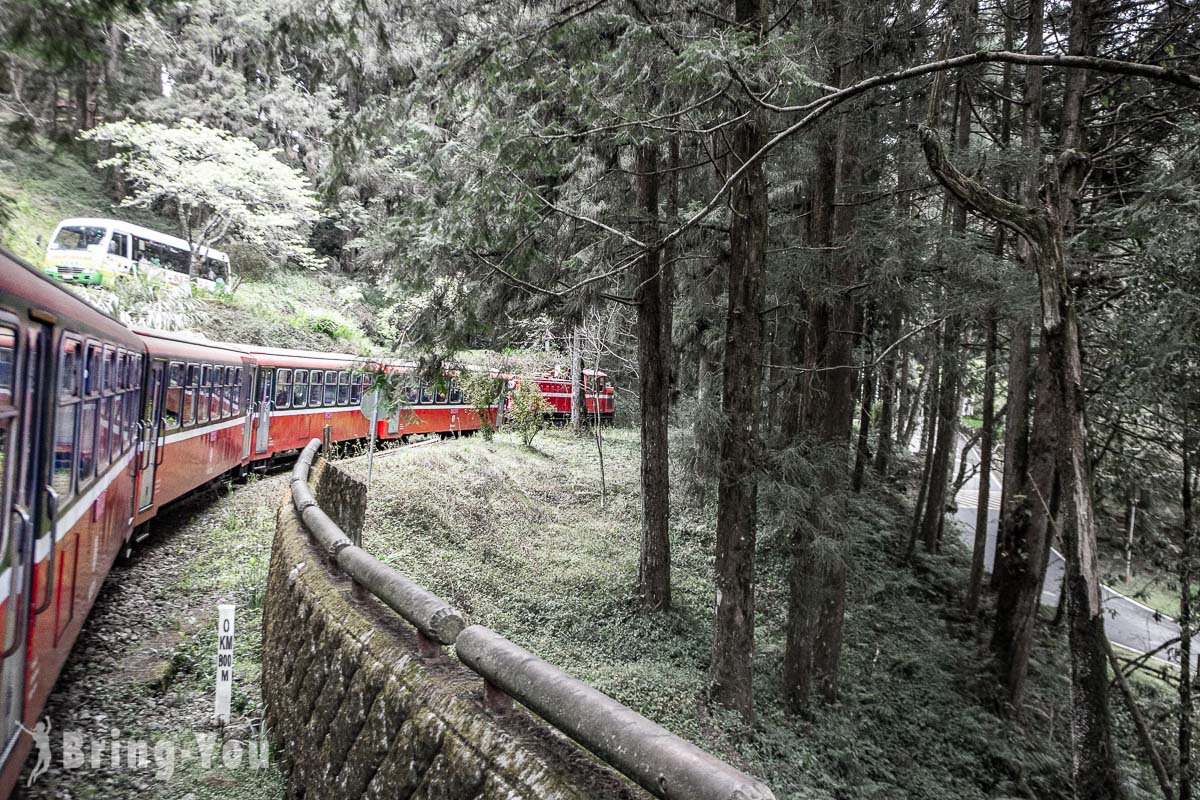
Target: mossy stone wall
{"type": "Point", "coordinates": [355, 713]}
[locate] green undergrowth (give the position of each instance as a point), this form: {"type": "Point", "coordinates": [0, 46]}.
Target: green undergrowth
{"type": "Point", "coordinates": [517, 539]}
{"type": "Point", "coordinates": [41, 184]}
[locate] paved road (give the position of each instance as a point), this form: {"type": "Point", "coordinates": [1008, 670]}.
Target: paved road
{"type": "Point", "coordinates": [1129, 623]}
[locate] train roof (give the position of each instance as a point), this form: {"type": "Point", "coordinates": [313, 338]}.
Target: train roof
{"type": "Point", "coordinates": [186, 344]}
{"type": "Point", "coordinates": [145, 233]}
{"type": "Point", "coordinates": [40, 291]}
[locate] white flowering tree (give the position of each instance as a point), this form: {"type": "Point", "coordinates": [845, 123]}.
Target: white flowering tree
{"type": "Point", "coordinates": [221, 186]}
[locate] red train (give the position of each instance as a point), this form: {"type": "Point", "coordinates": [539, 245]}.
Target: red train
{"type": "Point", "coordinates": [102, 425]}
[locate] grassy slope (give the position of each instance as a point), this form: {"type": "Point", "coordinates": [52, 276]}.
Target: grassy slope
{"type": "Point", "coordinates": [517, 540]}
{"type": "Point", "coordinates": [292, 309]}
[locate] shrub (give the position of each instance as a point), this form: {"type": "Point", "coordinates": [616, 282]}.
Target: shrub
{"type": "Point", "coordinates": [481, 390]}
{"type": "Point", "coordinates": [528, 411]}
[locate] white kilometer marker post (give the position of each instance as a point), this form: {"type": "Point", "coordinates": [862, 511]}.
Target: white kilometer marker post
{"type": "Point", "coordinates": [370, 409]}
{"type": "Point", "coordinates": [224, 662]}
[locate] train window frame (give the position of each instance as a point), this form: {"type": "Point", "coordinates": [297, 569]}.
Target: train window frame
{"type": "Point", "coordinates": [70, 366]}
{"type": "Point", "coordinates": [122, 381]}
{"type": "Point", "coordinates": [227, 394]}
{"type": "Point", "coordinates": [93, 369]}
{"type": "Point", "coordinates": [83, 481]}
{"type": "Point", "coordinates": [455, 392]}
{"type": "Point", "coordinates": [330, 395]}
{"type": "Point", "coordinates": [104, 422]}
{"type": "Point", "coordinates": [357, 385]}
{"type": "Point", "coordinates": [343, 388]}
{"type": "Point", "coordinates": [109, 363]}
{"type": "Point", "coordinates": [10, 432]}
{"type": "Point", "coordinates": [424, 393]}
{"type": "Point", "coordinates": [204, 403]}
{"type": "Point", "coordinates": [283, 388]}
{"type": "Point", "coordinates": [191, 385]}
{"type": "Point", "coordinates": [299, 395]}
{"type": "Point", "coordinates": [180, 382]}
{"type": "Point", "coordinates": [316, 386]}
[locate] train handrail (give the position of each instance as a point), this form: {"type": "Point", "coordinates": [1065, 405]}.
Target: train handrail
{"type": "Point", "coordinates": [52, 513]}
{"type": "Point", "coordinates": [666, 765]}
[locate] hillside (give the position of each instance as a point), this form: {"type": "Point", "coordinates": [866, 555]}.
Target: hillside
{"type": "Point", "coordinates": [518, 541]}
{"type": "Point", "coordinates": [284, 308]}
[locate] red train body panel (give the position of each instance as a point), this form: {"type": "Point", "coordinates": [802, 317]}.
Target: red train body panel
{"type": "Point", "coordinates": [101, 426]}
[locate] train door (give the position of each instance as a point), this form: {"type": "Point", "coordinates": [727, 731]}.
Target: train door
{"type": "Point", "coordinates": [21, 372]}
{"type": "Point", "coordinates": [151, 429]}
{"type": "Point", "coordinates": [263, 433]}
{"type": "Point", "coordinates": [251, 407]}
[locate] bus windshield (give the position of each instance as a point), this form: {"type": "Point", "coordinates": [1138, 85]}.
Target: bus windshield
{"type": "Point", "coordinates": [78, 237]}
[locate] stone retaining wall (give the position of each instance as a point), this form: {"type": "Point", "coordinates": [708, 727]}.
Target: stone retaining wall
{"type": "Point", "coordinates": [355, 713]}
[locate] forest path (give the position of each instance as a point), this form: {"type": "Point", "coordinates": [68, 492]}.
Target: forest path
{"type": "Point", "coordinates": [1129, 624]}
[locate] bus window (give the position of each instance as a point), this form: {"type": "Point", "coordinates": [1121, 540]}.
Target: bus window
{"type": "Point", "coordinates": [343, 388]}
{"type": "Point", "coordinates": [300, 390]}
{"type": "Point", "coordinates": [283, 388]}
{"type": "Point", "coordinates": [331, 379]}
{"type": "Point", "coordinates": [78, 237]}
{"type": "Point", "coordinates": [314, 392]}
{"type": "Point", "coordinates": [119, 245]}
{"type": "Point", "coordinates": [189, 394]}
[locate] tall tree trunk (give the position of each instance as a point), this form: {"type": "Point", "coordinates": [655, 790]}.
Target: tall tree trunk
{"type": "Point", "coordinates": [943, 442]}
{"type": "Point", "coordinates": [578, 398]}
{"type": "Point", "coordinates": [979, 550]}
{"type": "Point", "coordinates": [817, 579]}
{"type": "Point", "coordinates": [654, 364]}
{"type": "Point", "coordinates": [1185, 612]}
{"type": "Point", "coordinates": [885, 435]}
{"type": "Point", "coordinates": [862, 452]}
{"type": "Point", "coordinates": [731, 668]}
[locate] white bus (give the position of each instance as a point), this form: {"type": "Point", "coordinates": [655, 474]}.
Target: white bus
{"type": "Point", "coordinates": [98, 251]}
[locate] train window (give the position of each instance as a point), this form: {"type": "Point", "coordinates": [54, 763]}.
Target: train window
{"type": "Point", "coordinates": [204, 394]}
{"type": "Point", "coordinates": [85, 467]}
{"type": "Point", "coordinates": [300, 389]}
{"type": "Point", "coordinates": [343, 388]}
{"type": "Point", "coordinates": [227, 394]}
{"type": "Point", "coordinates": [440, 393]}
{"type": "Point", "coordinates": [283, 388]}
{"type": "Point", "coordinates": [91, 370]}
{"type": "Point", "coordinates": [110, 368]}
{"type": "Point", "coordinates": [235, 396]}
{"type": "Point", "coordinates": [8, 345]}
{"type": "Point", "coordinates": [119, 425]}
{"type": "Point", "coordinates": [174, 395]}
{"type": "Point", "coordinates": [122, 377]}
{"type": "Point", "coordinates": [426, 393]}
{"type": "Point", "coordinates": [314, 392]}
{"type": "Point", "coordinates": [356, 389]}
{"type": "Point", "coordinates": [456, 394]}
{"type": "Point", "coordinates": [331, 379]}
{"type": "Point", "coordinates": [412, 392]}
{"type": "Point", "coordinates": [103, 433]}
{"type": "Point", "coordinates": [64, 449]}
{"type": "Point", "coordinates": [191, 389]}
{"type": "Point", "coordinates": [68, 370]}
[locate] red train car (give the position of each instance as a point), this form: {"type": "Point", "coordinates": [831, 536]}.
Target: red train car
{"type": "Point", "coordinates": [101, 426]}
{"type": "Point", "coordinates": [70, 386]}
{"type": "Point", "coordinates": [598, 395]}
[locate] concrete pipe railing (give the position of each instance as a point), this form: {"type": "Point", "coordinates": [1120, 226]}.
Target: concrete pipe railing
{"type": "Point", "coordinates": [425, 611]}
{"type": "Point", "coordinates": [664, 764]}
{"type": "Point", "coordinates": [658, 760]}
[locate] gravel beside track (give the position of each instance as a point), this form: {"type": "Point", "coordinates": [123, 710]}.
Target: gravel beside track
{"type": "Point", "coordinates": [142, 672]}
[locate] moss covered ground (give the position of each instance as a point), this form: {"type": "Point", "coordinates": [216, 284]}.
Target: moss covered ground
{"type": "Point", "coordinates": [518, 540]}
